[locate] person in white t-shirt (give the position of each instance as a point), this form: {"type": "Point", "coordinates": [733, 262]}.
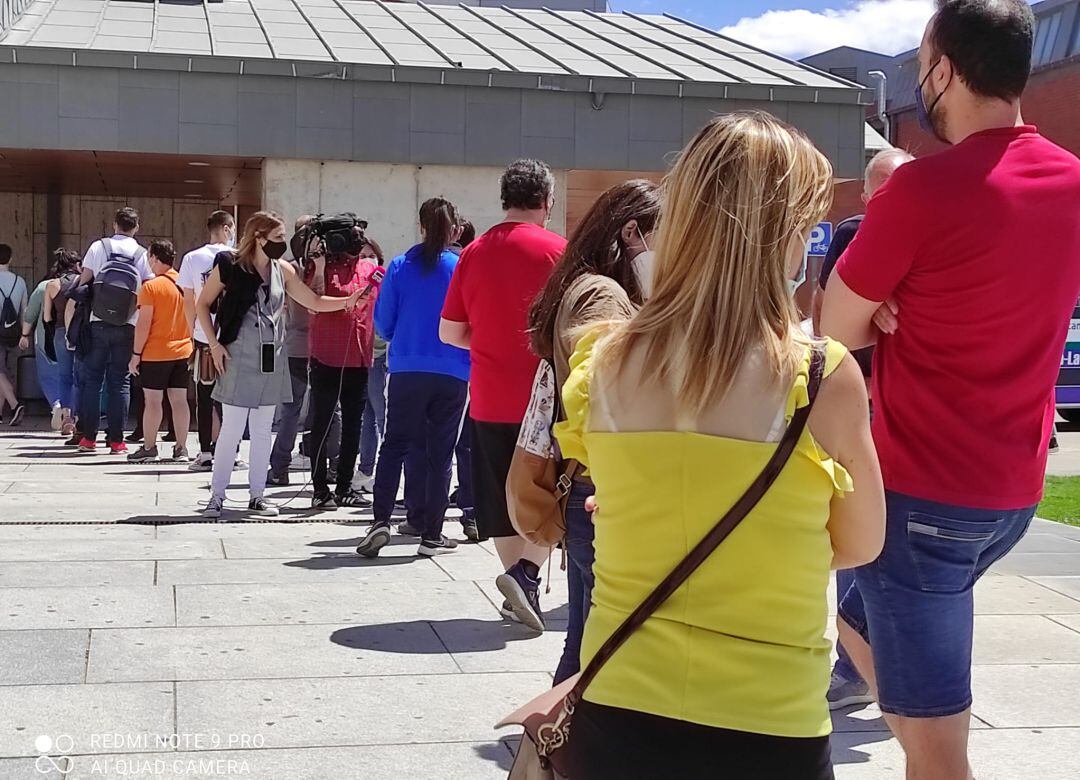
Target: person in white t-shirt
{"type": "Point", "coordinates": [194, 271]}
{"type": "Point", "coordinates": [112, 344]}
{"type": "Point", "coordinates": [13, 288]}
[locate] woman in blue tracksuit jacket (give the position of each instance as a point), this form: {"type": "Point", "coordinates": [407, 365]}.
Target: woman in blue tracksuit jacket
{"type": "Point", "coordinates": [428, 384]}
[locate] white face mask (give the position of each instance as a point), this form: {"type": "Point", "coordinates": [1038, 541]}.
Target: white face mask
{"type": "Point", "coordinates": [644, 267]}
{"type": "Point", "coordinates": [796, 283]}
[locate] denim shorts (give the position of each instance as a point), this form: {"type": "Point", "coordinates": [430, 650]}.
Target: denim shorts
{"type": "Point", "coordinates": [914, 603]}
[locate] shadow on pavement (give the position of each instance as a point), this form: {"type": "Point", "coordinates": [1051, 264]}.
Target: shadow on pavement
{"type": "Point", "coordinates": [851, 733]}
{"type": "Point", "coordinates": [346, 561]}
{"type": "Point", "coordinates": [460, 635]}
{"type": "Point", "coordinates": [500, 753]}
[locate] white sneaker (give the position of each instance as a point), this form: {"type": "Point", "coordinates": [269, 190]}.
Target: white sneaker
{"type": "Point", "coordinates": [363, 483]}
{"type": "Point", "coordinates": [57, 416]}
{"type": "Point", "coordinates": [204, 461]}
{"type": "Point", "coordinates": [300, 463]}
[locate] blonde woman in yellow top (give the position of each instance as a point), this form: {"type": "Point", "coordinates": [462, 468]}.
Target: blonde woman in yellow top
{"type": "Point", "coordinates": [675, 413]}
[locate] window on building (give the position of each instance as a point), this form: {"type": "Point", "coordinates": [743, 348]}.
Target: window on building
{"type": "Point", "coordinates": [1075, 47]}
{"type": "Point", "coordinates": [851, 74]}
{"type": "Point", "coordinates": [1046, 33]}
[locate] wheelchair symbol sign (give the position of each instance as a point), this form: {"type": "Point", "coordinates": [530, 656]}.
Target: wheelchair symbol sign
{"type": "Point", "coordinates": [820, 238]}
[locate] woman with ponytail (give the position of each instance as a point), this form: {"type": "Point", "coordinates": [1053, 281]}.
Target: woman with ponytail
{"type": "Point", "coordinates": [428, 381]}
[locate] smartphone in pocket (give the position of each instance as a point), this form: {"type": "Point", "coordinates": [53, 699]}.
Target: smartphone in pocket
{"type": "Point", "coordinates": [267, 362]}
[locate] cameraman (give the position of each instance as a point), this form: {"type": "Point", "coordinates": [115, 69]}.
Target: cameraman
{"type": "Point", "coordinates": [341, 353]}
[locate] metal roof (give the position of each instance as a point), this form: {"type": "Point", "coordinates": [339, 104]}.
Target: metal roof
{"type": "Point", "coordinates": [399, 37]}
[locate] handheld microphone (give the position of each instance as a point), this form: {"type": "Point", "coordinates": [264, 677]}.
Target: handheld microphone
{"type": "Point", "coordinates": [375, 279]}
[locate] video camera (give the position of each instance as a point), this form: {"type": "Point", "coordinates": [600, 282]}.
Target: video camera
{"type": "Point", "coordinates": [340, 234]}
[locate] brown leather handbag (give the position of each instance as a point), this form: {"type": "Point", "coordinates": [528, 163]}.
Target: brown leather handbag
{"type": "Point", "coordinates": [547, 718]}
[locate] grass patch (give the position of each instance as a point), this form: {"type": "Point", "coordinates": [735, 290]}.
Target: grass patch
{"type": "Point", "coordinates": [1061, 501]}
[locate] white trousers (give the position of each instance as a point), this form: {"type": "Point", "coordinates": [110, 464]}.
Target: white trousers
{"type": "Point", "coordinates": [234, 419]}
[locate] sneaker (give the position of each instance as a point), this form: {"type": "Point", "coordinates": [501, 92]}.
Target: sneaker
{"type": "Point", "coordinates": [441, 546]}
{"type": "Point", "coordinates": [277, 480]}
{"type": "Point", "coordinates": [87, 445]}
{"type": "Point", "coordinates": [17, 416]}
{"type": "Point", "coordinates": [180, 454]}
{"type": "Point", "coordinates": [523, 593]}
{"type": "Point", "coordinates": [144, 455]}
{"type": "Point", "coordinates": [214, 508]}
{"type": "Point", "coordinates": [323, 501]}
{"type": "Point", "coordinates": [118, 448]}
{"type": "Point", "coordinates": [204, 461]}
{"type": "Point", "coordinates": [352, 498]}
{"type": "Point", "coordinates": [75, 440]}
{"type": "Point", "coordinates": [57, 416]}
{"type": "Point", "coordinates": [468, 527]}
{"type": "Point", "coordinates": [363, 483]}
{"type": "Point", "coordinates": [239, 464]}
{"type": "Point", "coordinates": [260, 506]}
{"type": "Point", "coordinates": [408, 529]}
{"type": "Point", "coordinates": [300, 463]}
{"type": "Point", "coordinates": [507, 612]}
{"type": "Point", "coordinates": [169, 437]}
{"type": "Point", "coordinates": [135, 437]}
{"type": "Point", "coordinates": [847, 693]}
{"type": "Point", "coordinates": [67, 430]}
{"type": "Point", "coordinates": [377, 538]}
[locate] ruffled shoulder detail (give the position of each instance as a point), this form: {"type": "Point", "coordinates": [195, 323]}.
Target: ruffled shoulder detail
{"type": "Point", "coordinates": [800, 397]}
{"type": "Point", "coordinates": [575, 397]}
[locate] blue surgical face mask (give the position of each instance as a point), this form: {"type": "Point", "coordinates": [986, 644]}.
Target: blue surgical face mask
{"type": "Point", "coordinates": [924, 112]}
{"type": "Point", "coordinates": [796, 283]}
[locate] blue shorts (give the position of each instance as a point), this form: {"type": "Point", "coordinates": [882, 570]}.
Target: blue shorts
{"type": "Point", "coordinates": [914, 603]}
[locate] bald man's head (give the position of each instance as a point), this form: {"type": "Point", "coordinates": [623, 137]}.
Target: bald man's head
{"type": "Point", "coordinates": [880, 168]}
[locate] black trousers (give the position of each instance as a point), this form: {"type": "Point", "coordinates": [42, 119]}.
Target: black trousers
{"type": "Point", "coordinates": [609, 743]}
{"type": "Point", "coordinates": [204, 408]}
{"type": "Point", "coordinates": [329, 385]}
{"type": "Point", "coordinates": [492, 451]}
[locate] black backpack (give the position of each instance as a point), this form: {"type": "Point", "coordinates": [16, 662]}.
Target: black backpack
{"type": "Point", "coordinates": [10, 326]}
{"type": "Point", "coordinates": [116, 285]}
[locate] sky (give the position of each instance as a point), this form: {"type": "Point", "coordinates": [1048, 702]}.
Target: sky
{"type": "Point", "coordinates": [797, 28]}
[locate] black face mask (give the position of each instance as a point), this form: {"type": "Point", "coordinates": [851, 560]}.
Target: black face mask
{"type": "Point", "coordinates": [275, 250]}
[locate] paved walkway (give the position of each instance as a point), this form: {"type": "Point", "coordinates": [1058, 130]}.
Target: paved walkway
{"type": "Point", "coordinates": [272, 651]}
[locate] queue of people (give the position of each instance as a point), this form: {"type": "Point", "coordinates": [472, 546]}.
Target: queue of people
{"type": "Point", "coordinates": [721, 456]}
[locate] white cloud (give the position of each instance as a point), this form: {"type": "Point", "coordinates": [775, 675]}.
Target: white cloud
{"type": "Point", "coordinates": [886, 26]}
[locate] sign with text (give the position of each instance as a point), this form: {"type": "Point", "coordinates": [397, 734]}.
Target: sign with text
{"type": "Point", "coordinates": [820, 238]}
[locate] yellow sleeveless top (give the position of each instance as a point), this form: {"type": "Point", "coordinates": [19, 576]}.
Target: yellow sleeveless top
{"type": "Point", "coordinates": [741, 645]}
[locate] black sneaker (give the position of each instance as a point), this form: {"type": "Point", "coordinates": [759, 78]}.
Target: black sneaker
{"type": "Point", "coordinates": [523, 594]}
{"type": "Point", "coordinates": [169, 437]}
{"type": "Point", "coordinates": [429, 548]}
{"type": "Point", "coordinates": [408, 529]}
{"type": "Point", "coordinates": [377, 538]}
{"type": "Point", "coordinates": [74, 441]}
{"type": "Point", "coordinates": [323, 501]}
{"type": "Point", "coordinates": [278, 480]}
{"type": "Point", "coordinates": [260, 506]}
{"type": "Point", "coordinates": [468, 527]}
{"type": "Point", "coordinates": [135, 437]}
{"type": "Point", "coordinates": [144, 455]}
{"type": "Point", "coordinates": [352, 498]}
{"type": "Point", "coordinates": [17, 416]}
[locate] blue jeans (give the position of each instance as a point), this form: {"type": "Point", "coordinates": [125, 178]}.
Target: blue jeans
{"type": "Point", "coordinates": [914, 604]}
{"type": "Point", "coordinates": [423, 414]}
{"type": "Point", "coordinates": [65, 371]}
{"type": "Point", "coordinates": [48, 374]}
{"type": "Point", "coordinates": [374, 416]}
{"type": "Point", "coordinates": [579, 577]}
{"type": "Point", "coordinates": [845, 667]}
{"type": "Point", "coordinates": [107, 364]}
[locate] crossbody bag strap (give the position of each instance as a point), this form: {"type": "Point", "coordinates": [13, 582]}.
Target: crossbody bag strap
{"type": "Point", "coordinates": [712, 540]}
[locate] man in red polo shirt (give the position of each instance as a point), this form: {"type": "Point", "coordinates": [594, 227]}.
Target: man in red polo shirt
{"type": "Point", "coordinates": [487, 312]}
{"type": "Point", "coordinates": [975, 254]}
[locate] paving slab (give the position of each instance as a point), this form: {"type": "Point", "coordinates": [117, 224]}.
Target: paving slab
{"type": "Point", "coordinates": [43, 657]}
{"type": "Point", "coordinates": [352, 570]}
{"type": "Point", "coordinates": [1037, 541]}
{"type": "Point", "coordinates": [84, 713]}
{"type": "Point", "coordinates": [1069, 586]}
{"type": "Point", "coordinates": [1023, 696]}
{"type": "Point", "coordinates": [1010, 595]}
{"type": "Point", "coordinates": [66, 574]}
{"type": "Point", "coordinates": [356, 711]}
{"type": "Point", "coordinates": [1040, 564]}
{"type": "Point", "coordinates": [84, 607]}
{"type": "Point", "coordinates": [109, 550]}
{"type": "Point", "coordinates": [248, 652]}
{"type": "Point", "coordinates": [72, 533]}
{"type": "Point", "coordinates": [500, 645]}
{"type": "Point", "coordinates": [1069, 621]}
{"type": "Point", "coordinates": [1024, 639]}
{"type": "Point", "coordinates": [449, 761]}
{"type": "Point", "coordinates": [250, 605]}
{"type": "Point", "coordinates": [31, 769]}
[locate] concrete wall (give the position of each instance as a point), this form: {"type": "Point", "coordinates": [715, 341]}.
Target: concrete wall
{"type": "Point", "coordinates": [389, 196]}
{"type": "Point", "coordinates": [111, 109]}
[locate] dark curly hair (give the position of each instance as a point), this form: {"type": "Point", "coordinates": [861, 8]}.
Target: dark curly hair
{"type": "Point", "coordinates": [526, 184]}
{"type": "Point", "coordinates": [64, 262]}
{"type": "Point", "coordinates": [989, 43]}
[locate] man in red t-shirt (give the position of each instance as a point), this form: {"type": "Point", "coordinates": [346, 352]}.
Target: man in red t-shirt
{"type": "Point", "coordinates": [486, 312]}
{"type": "Point", "coordinates": [341, 352]}
{"type": "Point", "coordinates": [965, 273]}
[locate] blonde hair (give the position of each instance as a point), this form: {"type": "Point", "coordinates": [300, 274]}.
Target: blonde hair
{"type": "Point", "coordinates": [259, 225]}
{"type": "Point", "coordinates": [742, 191]}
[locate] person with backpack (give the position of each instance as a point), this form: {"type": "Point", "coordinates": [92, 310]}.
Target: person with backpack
{"type": "Point", "coordinates": [602, 277]}
{"type": "Point", "coordinates": [428, 387]}
{"type": "Point", "coordinates": [115, 268]}
{"type": "Point", "coordinates": [13, 299]}
{"type": "Point", "coordinates": [162, 352]}
{"type": "Point", "coordinates": [66, 271]}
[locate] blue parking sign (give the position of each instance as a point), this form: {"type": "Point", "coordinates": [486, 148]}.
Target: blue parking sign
{"type": "Point", "coordinates": [820, 238]}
